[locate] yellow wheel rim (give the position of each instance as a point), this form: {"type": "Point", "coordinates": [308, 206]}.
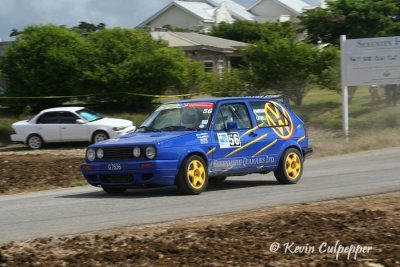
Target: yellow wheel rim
{"type": "Point", "coordinates": [196, 174]}
{"type": "Point", "coordinates": [293, 166]}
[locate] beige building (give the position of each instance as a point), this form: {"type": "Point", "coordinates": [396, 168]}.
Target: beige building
{"type": "Point", "coordinates": [197, 15]}
{"type": "Point", "coordinates": [282, 10]}
{"type": "Point", "coordinates": [217, 54]}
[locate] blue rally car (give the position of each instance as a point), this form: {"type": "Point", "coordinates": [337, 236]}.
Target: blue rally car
{"type": "Point", "coordinates": [192, 142]}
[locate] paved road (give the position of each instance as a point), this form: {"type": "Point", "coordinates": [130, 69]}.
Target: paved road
{"type": "Point", "coordinates": [74, 210]}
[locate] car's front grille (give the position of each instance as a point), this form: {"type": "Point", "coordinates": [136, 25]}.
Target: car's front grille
{"type": "Point", "coordinates": [116, 178]}
{"type": "Point", "coordinates": [117, 153]}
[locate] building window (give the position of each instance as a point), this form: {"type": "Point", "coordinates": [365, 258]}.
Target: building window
{"type": "Point", "coordinates": [208, 62]}
{"type": "Point", "coordinates": [221, 65]}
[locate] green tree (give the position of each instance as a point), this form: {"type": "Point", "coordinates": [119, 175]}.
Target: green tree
{"type": "Point", "coordinates": [355, 18]}
{"type": "Point", "coordinates": [249, 32]}
{"type": "Point", "coordinates": [14, 33]}
{"type": "Point", "coordinates": [128, 64]}
{"type": "Point", "coordinates": [44, 61]}
{"type": "Point", "coordinates": [329, 77]}
{"type": "Point", "coordinates": [85, 28]}
{"type": "Point", "coordinates": [232, 83]}
{"type": "Point", "coordinates": [286, 66]}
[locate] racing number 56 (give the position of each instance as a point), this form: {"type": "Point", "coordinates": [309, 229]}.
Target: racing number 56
{"type": "Point", "coordinates": [234, 139]}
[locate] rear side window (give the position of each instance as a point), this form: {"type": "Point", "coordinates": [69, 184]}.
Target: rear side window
{"type": "Point", "coordinates": [268, 114]}
{"type": "Point", "coordinates": [68, 118]}
{"type": "Point", "coordinates": [48, 118]}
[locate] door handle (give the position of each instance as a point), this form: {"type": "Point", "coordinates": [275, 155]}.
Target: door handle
{"type": "Point", "coordinates": [253, 134]}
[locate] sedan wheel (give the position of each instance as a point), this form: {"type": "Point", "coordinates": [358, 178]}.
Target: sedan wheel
{"type": "Point", "coordinates": [99, 136]}
{"type": "Point", "coordinates": [35, 141]}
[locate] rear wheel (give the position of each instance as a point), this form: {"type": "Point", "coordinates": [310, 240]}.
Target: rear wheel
{"type": "Point", "coordinates": [35, 141]}
{"type": "Point", "coordinates": [290, 167]}
{"type": "Point", "coordinates": [217, 179]}
{"type": "Point", "coordinates": [99, 136]}
{"type": "Point", "coordinates": [113, 190]}
{"type": "Point", "coordinates": [192, 176]}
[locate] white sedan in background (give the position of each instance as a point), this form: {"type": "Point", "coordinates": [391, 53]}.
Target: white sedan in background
{"type": "Point", "coordinates": [68, 124]}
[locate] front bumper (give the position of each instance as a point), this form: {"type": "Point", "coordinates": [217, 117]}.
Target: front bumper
{"type": "Point", "coordinates": [130, 173]}
{"type": "Point", "coordinates": [18, 138]}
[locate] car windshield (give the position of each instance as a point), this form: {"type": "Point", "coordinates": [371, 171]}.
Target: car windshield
{"type": "Point", "coordinates": [190, 116]}
{"type": "Point", "coordinates": [89, 115]}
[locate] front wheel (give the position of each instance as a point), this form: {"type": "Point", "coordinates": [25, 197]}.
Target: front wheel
{"type": "Point", "coordinates": [192, 177]}
{"type": "Point", "coordinates": [290, 167]}
{"type": "Point", "coordinates": [35, 141]}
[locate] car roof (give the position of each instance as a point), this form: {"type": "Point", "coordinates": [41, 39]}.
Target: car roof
{"type": "Point", "coordinates": [218, 99]}
{"type": "Point", "coordinates": [72, 109]}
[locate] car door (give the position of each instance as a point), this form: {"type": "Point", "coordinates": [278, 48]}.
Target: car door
{"type": "Point", "coordinates": [70, 129]}
{"type": "Point", "coordinates": [233, 140]}
{"type": "Point", "coordinates": [48, 126]}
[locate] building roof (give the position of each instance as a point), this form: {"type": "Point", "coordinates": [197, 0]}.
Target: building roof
{"type": "Point", "coordinates": [192, 39]}
{"type": "Point", "coordinates": [205, 11]}
{"type": "Point", "coordinates": [297, 6]}
{"type": "Point", "coordinates": [202, 10]}
{"type": "Point", "coordinates": [314, 3]}
{"type": "Point", "coordinates": [237, 11]}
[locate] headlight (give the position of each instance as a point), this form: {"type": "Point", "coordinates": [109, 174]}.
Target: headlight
{"type": "Point", "coordinates": [119, 128]}
{"type": "Point", "coordinates": [150, 152]}
{"type": "Point", "coordinates": [136, 152]}
{"type": "Point", "coordinates": [90, 154]}
{"type": "Point", "coordinates": [100, 153]}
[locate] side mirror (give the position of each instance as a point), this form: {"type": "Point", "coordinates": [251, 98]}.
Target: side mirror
{"type": "Point", "coordinates": [230, 125]}
{"type": "Point", "coordinates": [80, 121]}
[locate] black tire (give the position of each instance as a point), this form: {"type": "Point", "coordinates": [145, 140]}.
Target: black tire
{"type": "Point", "coordinates": [192, 178]}
{"type": "Point", "coordinates": [99, 136]}
{"type": "Point", "coordinates": [290, 167]}
{"type": "Point", "coordinates": [34, 141]}
{"type": "Point", "coordinates": [216, 179]}
{"type": "Point", "coordinates": [113, 190]}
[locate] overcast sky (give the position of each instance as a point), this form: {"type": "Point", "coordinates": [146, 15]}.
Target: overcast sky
{"type": "Point", "coordinates": [17, 14]}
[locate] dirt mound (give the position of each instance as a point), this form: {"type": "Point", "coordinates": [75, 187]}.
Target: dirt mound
{"type": "Point", "coordinates": [299, 235]}
{"type": "Point", "coordinates": [22, 172]}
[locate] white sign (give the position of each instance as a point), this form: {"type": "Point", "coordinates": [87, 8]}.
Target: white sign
{"type": "Point", "coordinates": [371, 61]}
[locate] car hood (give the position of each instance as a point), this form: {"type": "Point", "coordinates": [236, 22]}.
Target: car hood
{"type": "Point", "coordinates": [112, 122]}
{"type": "Point", "coordinates": [146, 138]}
{"type": "Point", "coordinates": [24, 122]}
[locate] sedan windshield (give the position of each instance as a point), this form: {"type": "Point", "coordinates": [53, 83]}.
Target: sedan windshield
{"type": "Point", "coordinates": [89, 115]}
{"type": "Point", "coordinates": [179, 117]}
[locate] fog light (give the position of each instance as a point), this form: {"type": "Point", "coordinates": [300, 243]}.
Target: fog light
{"type": "Point", "coordinates": [146, 165]}
{"type": "Point", "coordinates": [86, 168]}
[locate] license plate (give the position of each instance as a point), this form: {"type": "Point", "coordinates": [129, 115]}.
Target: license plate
{"type": "Point", "coordinates": [114, 167]}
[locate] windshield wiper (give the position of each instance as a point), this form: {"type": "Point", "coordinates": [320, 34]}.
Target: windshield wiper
{"type": "Point", "coordinates": [147, 129]}
{"type": "Point", "coordinates": [177, 128]}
